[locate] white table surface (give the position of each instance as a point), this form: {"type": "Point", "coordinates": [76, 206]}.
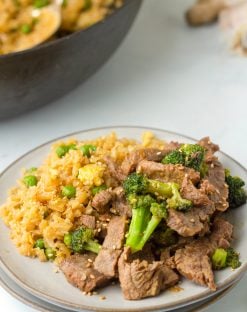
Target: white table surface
{"type": "Point", "coordinates": [164, 75]}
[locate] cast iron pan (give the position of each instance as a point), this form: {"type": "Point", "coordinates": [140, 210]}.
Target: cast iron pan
{"type": "Point", "coordinates": [40, 75]}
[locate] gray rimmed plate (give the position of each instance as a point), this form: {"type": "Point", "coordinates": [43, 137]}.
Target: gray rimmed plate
{"type": "Point", "coordinates": [40, 280]}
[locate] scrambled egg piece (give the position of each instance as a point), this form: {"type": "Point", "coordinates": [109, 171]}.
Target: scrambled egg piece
{"type": "Point", "coordinates": [91, 174]}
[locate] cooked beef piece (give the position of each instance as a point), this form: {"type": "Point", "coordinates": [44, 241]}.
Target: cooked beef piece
{"type": "Point", "coordinates": [210, 148]}
{"type": "Point", "coordinates": [87, 220]}
{"type": "Point", "coordinates": [113, 175]}
{"type": "Point", "coordinates": [113, 200]}
{"type": "Point", "coordinates": [216, 176]}
{"type": "Point", "coordinates": [191, 222]}
{"type": "Point", "coordinates": [102, 200]}
{"type": "Point", "coordinates": [167, 173]}
{"type": "Point", "coordinates": [140, 279]}
{"type": "Point", "coordinates": [144, 254]}
{"type": "Point", "coordinates": [197, 196]}
{"type": "Point", "coordinates": [79, 271]}
{"type": "Point", "coordinates": [106, 261]}
{"type": "Point", "coordinates": [131, 161]}
{"type": "Point", "coordinates": [120, 205]}
{"type": "Point", "coordinates": [194, 260]}
{"type": "Point", "coordinates": [195, 264]}
{"type": "Point", "coordinates": [221, 235]}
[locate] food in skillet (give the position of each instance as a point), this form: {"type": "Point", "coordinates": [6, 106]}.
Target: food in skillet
{"type": "Point", "coordinates": [232, 16]}
{"type": "Point", "coordinates": [115, 209]}
{"type": "Point", "coordinates": [27, 23]}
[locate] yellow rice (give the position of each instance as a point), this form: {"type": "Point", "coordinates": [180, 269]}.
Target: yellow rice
{"type": "Point", "coordinates": [41, 211]}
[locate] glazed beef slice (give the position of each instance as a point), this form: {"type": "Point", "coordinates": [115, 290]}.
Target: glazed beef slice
{"type": "Point", "coordinates": [106, 261]}
{"type": "Point", "coordinates": [79, 271]}
{"type": "Point", "coordinates": [141, 279]}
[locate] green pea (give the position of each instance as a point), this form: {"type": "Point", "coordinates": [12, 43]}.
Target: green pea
{"type": "Point", "coordinates": [88, 149]}
{"type": "Point", "coordinates": [98, 189]}
{"type": "Point", "coordinates": [69, 191]}
{"type": "Point", "coordinates": [39, 243]}
{"type": "Point", "coordinates": [26, 29]}
{"type": "Point", "coordinates": [50, 253]}
{"type": "Point", "coordinates": [67, 239]}
{"type": "Point", "coordinates": [30, 180]}
{"type": "Point", "coordinates": [32, 169]}
{"type": "Point", "coordinates": [38, 4]}
{"type": "Point", "coordinates": [63, 149]}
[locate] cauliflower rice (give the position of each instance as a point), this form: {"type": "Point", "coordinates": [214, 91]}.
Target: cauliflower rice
{"type": "Point", "coordinates": [41, 211]}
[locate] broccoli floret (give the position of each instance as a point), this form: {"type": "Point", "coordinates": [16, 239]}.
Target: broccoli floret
{"type": "Point", "coordinates": [82, 239]}
{"type": "Point", "coordinates": [165, 236]}
{"type": "Point", "coordinates": [223, 258]}
{"type": "Point", "coordinates": [237, 195]}
{"type": "Point", "coordinates": [175, 157]}
{"type": "Point", "coordinates": [232, 259]}
{"type": "Point", "coordinates": [194, 155]}
{"type": "Point", "coordinates": [176, 201]}
{"type": "Point", "coordinates": [138, 184]}
{"type": "Point", "coordinates": [146, 216]}
{"type": "Point", "coordinates": [188, 155]}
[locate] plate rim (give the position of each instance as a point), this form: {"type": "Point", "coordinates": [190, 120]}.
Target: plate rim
{"type": "Point", "coordinates": [58, 302]}
{"type": "Point", "coordinates": [36, 306]}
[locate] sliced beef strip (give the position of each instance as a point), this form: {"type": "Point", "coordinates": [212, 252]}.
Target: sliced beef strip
{"type": "Point", "coordinates": [87, 220]}
{"type": "Point", "coordinates": [131, 161]}
{"type": "Point", "coordinates": [113, 174]}
{"type": "Point", "coordinates": [210, 148]}
{"type": "Point", "coordinates": [140, 279]}
{"type": "Point", "coordinates": [194, 260]}
{"type": "Point", "coordinates": [216, 176]}
{"type": "Point", "coordinates": [113, 200]}
{"type": "Point", "coordinates": [106, 261]}
{"type": "Point", "coordinates": [199, 196]}
{"type": "Point", "coordinates": [191, 222]}
{"type": "Point", "coordinates": [79, 271]}
{"type": "Point", "coordinates": [168, 172]}
{"type": "Point", "coordinates": [120, 205]}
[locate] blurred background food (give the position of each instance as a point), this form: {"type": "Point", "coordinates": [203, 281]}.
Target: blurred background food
{"type": "Point", "coordinates": [232, 17]}
{"type": "Point", "coordinates": [27, 23]}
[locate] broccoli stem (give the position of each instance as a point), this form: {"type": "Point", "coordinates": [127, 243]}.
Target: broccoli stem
{"type": "Point", "coordinates": [152, 225]}
{"type": "Point", "coordinates": [92, 246]}
{"type": "Point", "coordinates": [139, 222]}
{"type": "Point", "coordinates": [160, 188]}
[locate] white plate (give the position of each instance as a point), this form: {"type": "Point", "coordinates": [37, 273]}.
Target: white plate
{"type": "Point", "coordinates": [40, 280]}
{"type": "Point", "coordinates": [20, 294]}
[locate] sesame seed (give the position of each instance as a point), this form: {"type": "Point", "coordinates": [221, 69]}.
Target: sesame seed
{"type": "Point", "coordinates": [84, 293]}
{"type": "Point", "coordinates": [108, 220]}
{"type": "Point", "coordinates": [88, 265]}
{"type": "Point", "coordinates": [104, 224]}
{"type": "Point", "coordinates": [99, 230]}
{"type": "Point", "coordinates": [192, 220]}
{"type": "Point", "coordinates": [89, 294]}
{"type": "Point", "coordinates": [92, 276]}
{"type": "Point", "coordinates": [212, 165]}
{"type": "Point", "coordinates": [209, 142]}
{"type": "Point", "coordinates": [90, 260]}
{"type": "Point", "coordinates": [158, 153]}
{"type": "Point", "coordinates": [114, 247]}
{"type": "Point", "coordinates": [102, 298]}
{"type": "Point", "coordinates": [125, 257]}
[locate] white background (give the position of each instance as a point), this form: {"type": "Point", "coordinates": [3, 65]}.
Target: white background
{"type": "Point", "coordinates": [164, 75]}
